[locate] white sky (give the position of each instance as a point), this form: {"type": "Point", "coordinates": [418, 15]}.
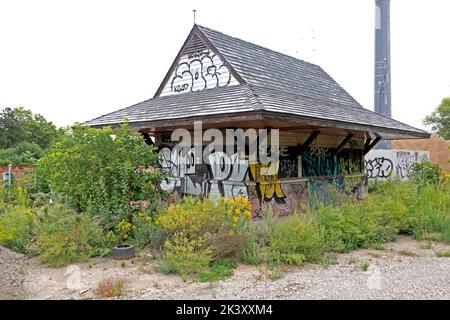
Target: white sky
{"type": "Point", "coordinates": [76, 60]}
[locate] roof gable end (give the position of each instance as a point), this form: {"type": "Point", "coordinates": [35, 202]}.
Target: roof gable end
{"type": "Point", "coordinates": [198, 66]}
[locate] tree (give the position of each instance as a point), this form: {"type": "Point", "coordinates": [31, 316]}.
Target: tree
{"type": "Point", "coordinates": [20, 125]}
{"type": "Point", "coordinates": [440, 120]}
{"type": "Point", "coordinates": [100, 171]}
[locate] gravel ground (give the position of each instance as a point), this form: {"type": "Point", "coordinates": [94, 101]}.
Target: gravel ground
{"type": "Point", "coordinates": [12, 274]}
{"type": "Point", "coordinates": [406, 269]}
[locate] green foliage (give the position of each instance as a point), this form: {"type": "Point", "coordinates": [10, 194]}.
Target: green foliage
{"type": "Point", "coordinates": [365, 265]}
{"type": "Point", "coordinates": [440, 119]}
{"type": "Point", "coordinates": [251, 250]}
{"type": "Point", "coordinates": [17, 228]}
{"type": "Point", "coordinates": [24, 154]}
{"type": "Point", "coordinates": [426, 173]}
{"type": "Point", "coordinates": [185, 256]}
{"type": "Point", "coordinates": [200, 231]}
{"type": "Point", "coordinates": [141, 230]}
{"type": "Point", "coordinates": [64, 236]}
{"type": "Point", "coordinates": [297, 239]}
{"type": "Point", "coordinates": [100, 171]}
{"type": "Point", "coordinates": [220, 270]}
{"type": "Point", "coordinates": [219, 225]}
{"type": "Point", "coordinates": [19, 125]}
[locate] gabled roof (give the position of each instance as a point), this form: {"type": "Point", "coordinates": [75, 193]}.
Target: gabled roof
{"type": "Point", "coordinates": [262, 80]}
{"type": "Point", "coordinates": [263, 67]}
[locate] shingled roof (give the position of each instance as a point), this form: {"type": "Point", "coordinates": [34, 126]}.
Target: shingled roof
{"type": "Point", "coordinates": [261, 81]}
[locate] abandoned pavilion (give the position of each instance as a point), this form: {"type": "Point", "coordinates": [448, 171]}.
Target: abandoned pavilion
{"type": "Point", "coordinates": [225, 82]}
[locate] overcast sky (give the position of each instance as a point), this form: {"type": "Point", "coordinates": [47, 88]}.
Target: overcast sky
{"type": "Point", "coordinates": [76, 60]}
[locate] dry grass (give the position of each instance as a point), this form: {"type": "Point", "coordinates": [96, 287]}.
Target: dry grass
{"type": "Point", "coordinates": [443, 254]}
{"type": "Point", "coordinates": [407, 253]}
{"type": "Point", "coordinates": [109, 288]}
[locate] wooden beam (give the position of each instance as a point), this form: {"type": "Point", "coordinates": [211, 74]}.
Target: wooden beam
{"type": "Point", "coordinates": [370, 147]}
{"type": "Point", "coordinates": [310, 140]}
{"type": "Point", "coordinates": [368, 140]}
{"type": "Point", "coordinates": [343, 143]}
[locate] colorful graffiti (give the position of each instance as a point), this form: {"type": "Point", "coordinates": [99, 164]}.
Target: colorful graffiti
{"type": "Point", "coordinates": [228, 176]}
{"type": "Point", "coordinates": [318, 162]}
{"type": "Point", "coordinates": [268, 186]}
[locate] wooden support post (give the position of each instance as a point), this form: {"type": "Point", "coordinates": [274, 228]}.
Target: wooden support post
{"type": "Point", "coordinates": [368, 140]}
{"type": "Point", "coordinates": [371, 145]}
{"type": "Point", "coordinates": [310, 140]}
{"type": "Point", "coordinates": [342, 144]}
{"type": "Point", "coordinates": [146, 137]}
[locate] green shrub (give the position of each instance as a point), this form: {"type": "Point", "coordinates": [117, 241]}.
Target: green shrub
{"type": "Point", "coordinates": [426, 173]}
{"type": "Point", "coordinates": [24, 154]}
{"type": "Point", "coordinates": [297, 239]}
{"type": "Point", "coordinates": [64, 236]}
{"type": "Point", "coordinates": [431, 211]}
{"type": "Point", "coordinates": [140, 229]}
{"type": "Point", "coordinates": [219, 225]}
{"type": "Point", "coordinates": [252, 247]}
{"type": "Point", "coordinates": [219, 270]}
{"type": "Point", "coordinates": [101, 171]}
{"type": "Point", "coordinates": [17, 228]}
{"type": "Point", "coordinates": [185, 256]}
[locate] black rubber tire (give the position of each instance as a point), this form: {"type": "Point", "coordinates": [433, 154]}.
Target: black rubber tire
{"type": "Point", "coordinates": [123, 252]}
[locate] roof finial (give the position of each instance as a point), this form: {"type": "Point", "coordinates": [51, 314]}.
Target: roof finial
{"type": "Point", "coordinates": [194, 11]}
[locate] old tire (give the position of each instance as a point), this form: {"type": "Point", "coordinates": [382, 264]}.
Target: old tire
{"type": "Point", "coordinates": [123, 252]}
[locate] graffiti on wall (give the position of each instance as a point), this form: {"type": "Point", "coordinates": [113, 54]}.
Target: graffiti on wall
{"type": "Point", "coordinates": [318, 162]}
{"type": "Point", "coordinates": [229, 176]}
{"type": "Point", "coordinates": [379, 167]}
{"type": "Point", "coordinates": [224, 176]}
{"type": "Point", "coordinates": [384, 164]}
{"type": "Point", "coordinates": [268, 186]}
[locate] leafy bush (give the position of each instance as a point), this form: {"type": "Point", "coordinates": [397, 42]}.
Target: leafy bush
{"type": "Point", "coordinates": [426, 173]}
{"type": "Point", "coordinates": [17, 228]}
{"type": "Point", "coordinates": [24, 154]}
{"type": "Point", "coordinates": [200, 231]}
{"type": "Point", "coordinates": [64, 236]}
{"type": "Point", "coordinates": [297, 239]}
{"type": "Point", "coordinates": [251, 250]}
{"type": "Point", "coordinates": [220, 270]}
{"type": "Point", "coordinates": [141, 230]}
{"type": "Point", "coordinates": [185, 256]}
{"type": "Point", "coordinates": [101, 171]}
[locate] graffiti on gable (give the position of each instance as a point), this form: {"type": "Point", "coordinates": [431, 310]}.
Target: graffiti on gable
{"type": "Point", "coordinates": [198, 71]}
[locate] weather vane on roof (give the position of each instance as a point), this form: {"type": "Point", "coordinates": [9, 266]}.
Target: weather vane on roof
{"type": "Point", "coordinates": [194, 11]}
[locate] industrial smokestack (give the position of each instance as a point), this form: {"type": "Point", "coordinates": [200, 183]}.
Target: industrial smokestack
{"type": "Point", "coordinates": [383, 63]}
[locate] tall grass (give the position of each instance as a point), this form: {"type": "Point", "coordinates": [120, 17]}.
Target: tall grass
{"type": "Point", "coordinates": [392, 208]}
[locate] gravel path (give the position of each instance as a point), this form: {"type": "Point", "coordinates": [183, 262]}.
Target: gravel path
{"type": "Point", "coordinates": [12, 272]}
{"type": "Point", "coordinates": [406, 269]}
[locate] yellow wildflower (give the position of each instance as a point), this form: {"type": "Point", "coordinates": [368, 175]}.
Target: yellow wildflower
{"type": "Point", "coordinates": [125, 236]}
{"type": "Point", "coordinates": [148, 219]}
{"type": "Point", "coordinates": [248, 214]}
{"type": "Point", "coordinates": [237, 210]}
{"type": "Point", "coordinates": [235, 219]}
{"type": "Point", "coordinates": [230, 233]}
{"type": "Point", "coordinates": [229, 212]}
